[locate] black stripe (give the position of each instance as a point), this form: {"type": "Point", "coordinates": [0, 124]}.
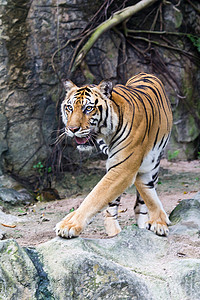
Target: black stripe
{"type": "Point", "coordinates": [101, 142]}
{"type": "Point", "coordinates": [104, 147]}
{"type": "Point", "coordinates": [154, 176]}
{"type": "Point", "coordinates": [140, 201]}
{"type": "Point", "coordinates": [120, 120]}
{"type": "Point", "coordinates": [113, 204]}
{"type": "Point", "coordinates": [88, 94]}
{"type": "Point", "coordinates": [149, 99]}
{"type": "Point", "coordinates": [157, 164]}
{"type": "Point", "coordinates": [100, 110]}
{"type": "Point", "coordinates": [120, 150]}
{"type": "Point", "coordinates": [129, 95]}
{"type": "Point", "coordinates": [161, 141]}
{"type": "Point", "coordinates": [165, 142]}
{"type": "Point", "coordinates": [113, 140]}
{"type": "Point", "coordinates": [105, 120]}
{"type": "Point", "coordinates": [155, 142]}
{"type": "Point", "coordinates": [162, 102]}
{"type": "Point", "coordinates": [118, 137]}
{"type": "Point", "coordinates": [121, 161]}
{"type": "Point", "coordinates": [150, 184]}
{"type": "Point", "coordinates": [157, 100]}
{"type": "Point", "coordinates": [121, 88]}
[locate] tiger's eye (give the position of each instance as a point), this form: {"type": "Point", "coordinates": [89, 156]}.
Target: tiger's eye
{"type": "Point", "coordinates": [89, 108]}
{"type": "Point", "coordinates": [69, 107]}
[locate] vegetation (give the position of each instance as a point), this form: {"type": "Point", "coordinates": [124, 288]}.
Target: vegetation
{"type": "Point", "coordinates": [172, 155]}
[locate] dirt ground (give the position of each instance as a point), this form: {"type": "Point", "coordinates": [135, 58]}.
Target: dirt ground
{"type": "Point", "coordinates": [178, 181]}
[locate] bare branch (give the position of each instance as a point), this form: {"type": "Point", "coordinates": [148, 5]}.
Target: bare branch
{"type": "Point", "coordinates": [117, 18]}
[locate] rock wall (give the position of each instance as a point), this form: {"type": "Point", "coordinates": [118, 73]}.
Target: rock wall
{"type": "Point", "coordinates": [31, 31]}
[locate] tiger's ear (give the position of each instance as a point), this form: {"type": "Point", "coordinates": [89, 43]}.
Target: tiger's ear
{"type": "Point", "coordinates": [68, 85]}
{"type": "Point", "coordinates": [106, 87]}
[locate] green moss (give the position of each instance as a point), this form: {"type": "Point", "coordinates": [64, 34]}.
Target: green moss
{"type": "Point", "coordinates": [192, 127]}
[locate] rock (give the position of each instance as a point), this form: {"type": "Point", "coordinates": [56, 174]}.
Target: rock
{"type": "Point", "coordinates": [186, 216]}
{"type": "Point", "coordinates": [18, 275]}
{"type": "Point", "coordinates": [197, 196]}
{"type": "Point", "coordinates": [12, 197]}
{"type": "Point", "coordinates": [48, 121]}
{"type": "Point", "coordinates": [9, 182]}
{"type": "Point", "coordinates": [136, 264]}
{"type": "Point", "coordinates": [89, 275]}
{"type": "Point", "coordinates": [9, 219]}
{"type": "Point", "coordinates": [29, 144]}
{"type": "Point", "coordinates": [3, 142]}
{"type": "Point", "coordinates": [2, 234]}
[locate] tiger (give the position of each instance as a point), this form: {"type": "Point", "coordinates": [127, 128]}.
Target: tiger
{"type": "Point", "coordinates": [132, 122]}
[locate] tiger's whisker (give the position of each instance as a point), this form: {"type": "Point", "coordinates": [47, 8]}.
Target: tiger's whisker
{"type": "Point", "coordinates": [59, 139]}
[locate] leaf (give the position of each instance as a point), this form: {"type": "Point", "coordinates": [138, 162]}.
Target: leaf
{"type": "Point", "coordinates": [72, 209]}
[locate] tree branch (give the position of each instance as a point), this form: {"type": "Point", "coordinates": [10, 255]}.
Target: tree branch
{"type": "Point", "coordinates": [117, 18]}
{"type": "Point", "coordinates": [164, 46]}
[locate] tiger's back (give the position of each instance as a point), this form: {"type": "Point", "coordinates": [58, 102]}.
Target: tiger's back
{"type": "Point", "coordinates": [148, 107]}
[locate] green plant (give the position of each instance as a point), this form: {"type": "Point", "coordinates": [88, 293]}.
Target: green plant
{"type": "Point", "coordinates": [198, 157]}
{"type": "Point", "coordinates": [40, 168]}
{"type": "Point", "coordinates": [195, 40]}
{"type": "Point", "coordinates": [172, 155]}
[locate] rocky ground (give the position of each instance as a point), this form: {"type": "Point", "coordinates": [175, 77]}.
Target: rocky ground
{"type": "Point", "coordinates": [33, 224]}
{"type": "Point", "coordinates": [136, 264]}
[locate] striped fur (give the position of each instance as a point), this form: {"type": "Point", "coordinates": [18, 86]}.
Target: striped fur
{"type": "Point", "coordinates": [135, 122]}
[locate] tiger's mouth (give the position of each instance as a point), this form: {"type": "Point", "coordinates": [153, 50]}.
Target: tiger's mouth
{"type": "Point", "coordinates": [83, 140]}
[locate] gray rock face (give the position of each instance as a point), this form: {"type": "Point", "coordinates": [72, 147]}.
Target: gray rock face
{"type": "Point", "coordinates": [136, 264]}
{"type": "Point", "coordinates": [3, 142]}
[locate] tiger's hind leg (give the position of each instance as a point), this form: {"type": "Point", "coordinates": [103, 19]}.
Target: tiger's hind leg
{"type": "Point", "coordinates": [141, 212]}
{"type": "Point", "coordinates": [158, 220]}
{"type": "Point", "coordinates": [110, 218]}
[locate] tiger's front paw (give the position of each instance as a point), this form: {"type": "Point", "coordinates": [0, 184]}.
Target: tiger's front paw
{"type": "Point", "coordinates": [159, 224]}
{"type": "Point", "coordinates": [70, 226]}
{"type": "Point", "coordinates": [158, 228]}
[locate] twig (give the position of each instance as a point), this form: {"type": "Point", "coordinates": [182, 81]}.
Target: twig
{"type": "Point", "coordinates": [155, 19]}
{"type": "Point", "coordinates": [162, 45]}
{"type": "Point", "coordinates": [194, 6]}
{"type": "Point", "coordinates": [158, 32]}
{"type": "Point", "coordinates": [6, 225]}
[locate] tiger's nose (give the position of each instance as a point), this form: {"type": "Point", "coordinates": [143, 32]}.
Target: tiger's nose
{"type": "Point", "coordinates": [74, 129]}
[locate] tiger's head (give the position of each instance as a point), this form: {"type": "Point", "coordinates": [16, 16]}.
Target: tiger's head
{"type": "Point", "coordinates": [85, 110]}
